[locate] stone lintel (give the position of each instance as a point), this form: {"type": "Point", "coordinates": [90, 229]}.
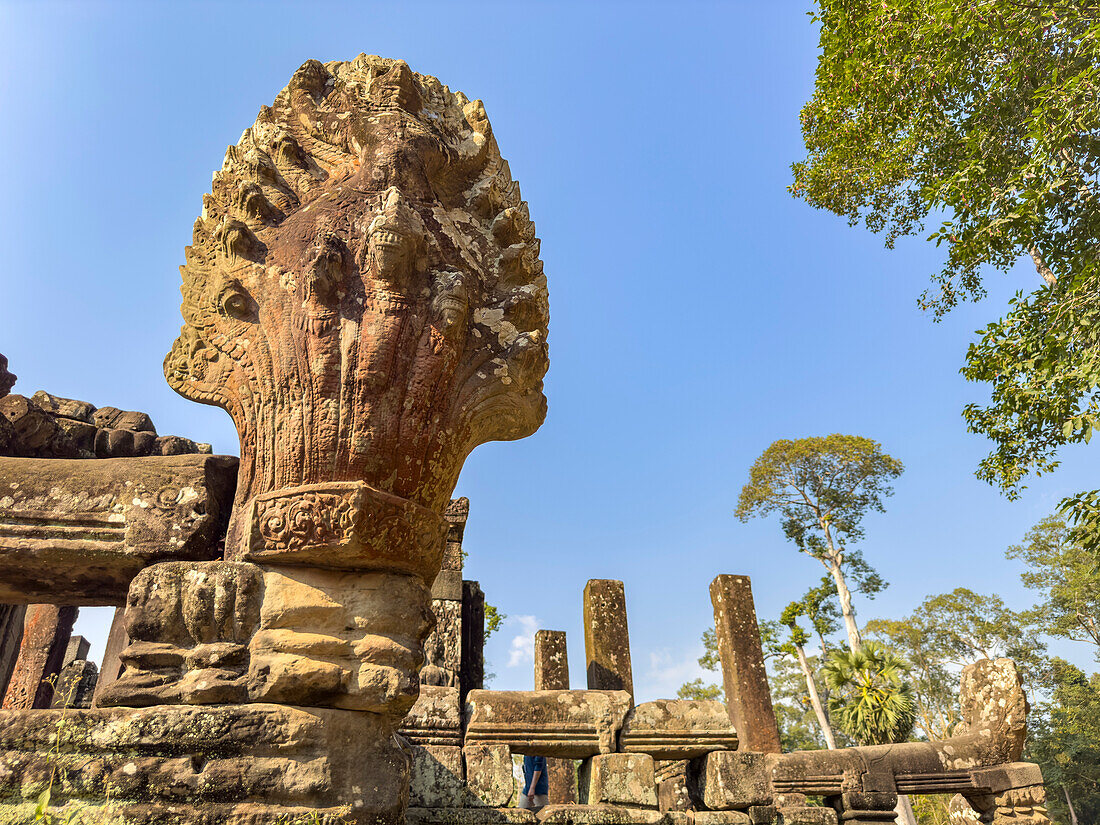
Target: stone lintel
{"type": "Point", "coordinates": [677, 729]}
{"type": "Point", "coordinates": [606, 637]}
{"type": "Point", "coordinates": [572, 724]}
{"type": "Point", "coordinates": [77, 531]}
{"type": "Point", "coordinates": [746, 682]}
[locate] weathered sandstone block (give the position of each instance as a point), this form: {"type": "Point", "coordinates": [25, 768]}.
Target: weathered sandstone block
{"type": "Point", "coordinates": [204, 764]}
{"type": "Point", "coordinates": [748, 698]}
{"type": "Point", "coordinates": [437, 777]}
{"type": "Point", "coordinates": [435, 718]}
{"type": "Point", "coordinates": [77, 532]}
{"type": "Point", "coordinates": [489, 780]}
{"type": "Point", "coordinates": [618, 779]}
{"type": "Point", "coordinates": [677, 729]}
{"type": "Point", "coordinates": [606, 636]}
{"type": "Point", "coordinates": [672, 789]}
{"type": "Point", "coordinates": [567, 723]}
{"type": "Point", "coordinates": [730, 780]}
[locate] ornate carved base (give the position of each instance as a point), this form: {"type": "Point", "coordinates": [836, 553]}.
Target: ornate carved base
{"type": "Point", "coordinates": [253, 764]}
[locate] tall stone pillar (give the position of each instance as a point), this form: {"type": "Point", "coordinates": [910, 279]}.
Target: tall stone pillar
{"type": "Point", "coordinates": [471, 675]}
{"type": "Point", "coordinates": [606, 637]}
{"type": "Point", "coordinates": [46, 632]}
{"type": "Point", "coordinates": [552, 673]}
{"type": "Point", "coordinates": [748, 699]}
{"type": "Point", "coordinates": [11, 635]}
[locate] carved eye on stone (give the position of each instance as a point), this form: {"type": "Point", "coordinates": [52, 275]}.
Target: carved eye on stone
{"type": "Point", "coordinates": [235, 302]}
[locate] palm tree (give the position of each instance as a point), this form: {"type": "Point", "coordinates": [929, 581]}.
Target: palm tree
{"type": "Point", "coordinates": [869, 699]}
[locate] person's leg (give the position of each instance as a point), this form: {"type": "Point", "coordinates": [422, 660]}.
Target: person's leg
{"type": "Point", "coordinates": [524, 801]}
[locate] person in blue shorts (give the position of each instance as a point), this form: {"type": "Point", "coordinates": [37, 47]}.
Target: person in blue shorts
{"type": "Point", "coordinates": [536, 785]}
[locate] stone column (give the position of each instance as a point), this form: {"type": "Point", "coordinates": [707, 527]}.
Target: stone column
{"type": "Point", "coordinates": [552, 673]}
{"type": "Point", "coordinates": [111, 667]}
{"type": "Point", "coordinates": [11, 635]}
{"type": "Point", "coordinates": [471, 675]}
{"type": "Point", "coordinates": [606, 637]}
{"type": "Point", "coordinates": [748, 699]}
{"type": "Point", "coordinates": [46, 633]}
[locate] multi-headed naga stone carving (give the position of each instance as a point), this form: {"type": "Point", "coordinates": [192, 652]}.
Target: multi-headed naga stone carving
{"type": "Point", "coordinates": [363, 295]}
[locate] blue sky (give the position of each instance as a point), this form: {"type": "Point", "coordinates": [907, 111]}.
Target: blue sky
{"type": "Point", "coordinates": [698, 312]}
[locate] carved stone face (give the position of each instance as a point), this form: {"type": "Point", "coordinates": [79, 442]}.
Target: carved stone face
{"type": "Point", "coordinates": [364, 294]}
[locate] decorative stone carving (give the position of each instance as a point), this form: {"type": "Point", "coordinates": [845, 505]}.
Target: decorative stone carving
{"type": "Point", "coordinates": [77, 532]}
{"type": "Point", "coordinates": [363, 294]}
{"type": "Point", "coordinates": [435, 719]}
{"type": "Point", "coordinates": [189, 627]}
{"type": "Point", "coordinates": [979, 762]}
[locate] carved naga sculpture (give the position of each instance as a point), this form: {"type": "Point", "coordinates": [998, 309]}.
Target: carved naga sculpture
{"type": "Point", "coordinates": [364, 296]}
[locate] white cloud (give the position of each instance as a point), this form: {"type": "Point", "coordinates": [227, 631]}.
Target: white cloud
{"type": "Point", "coordinates": [668, 669]}
{"type": "Point", "coordinates": [522, 649]}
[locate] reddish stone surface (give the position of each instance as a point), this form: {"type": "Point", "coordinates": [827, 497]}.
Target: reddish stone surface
{"type": "Point", "coordinates": [747, 696]}
{"type": "Point", "coordinates": [46, 632]}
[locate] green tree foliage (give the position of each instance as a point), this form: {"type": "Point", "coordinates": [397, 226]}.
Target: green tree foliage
{"type": "Point", "coordinates": [698, 689]}
{"type": "Point", "coordinates": [493, 620]}
{"type": "Point", "coordinates": [822, 488]}
{"type": "Point", "coordinates": [870, 699]}
{"type": "Point", "coordinates": [818, 606]}
{"type": "Point", "coordinates": [981, 116]}
{"type": "Point", "coordinates": [948, 631]}
{"type": "Point", "coordinates": [1067, 578]}
{"type": "Point", "coordinates": [1064, 739]}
